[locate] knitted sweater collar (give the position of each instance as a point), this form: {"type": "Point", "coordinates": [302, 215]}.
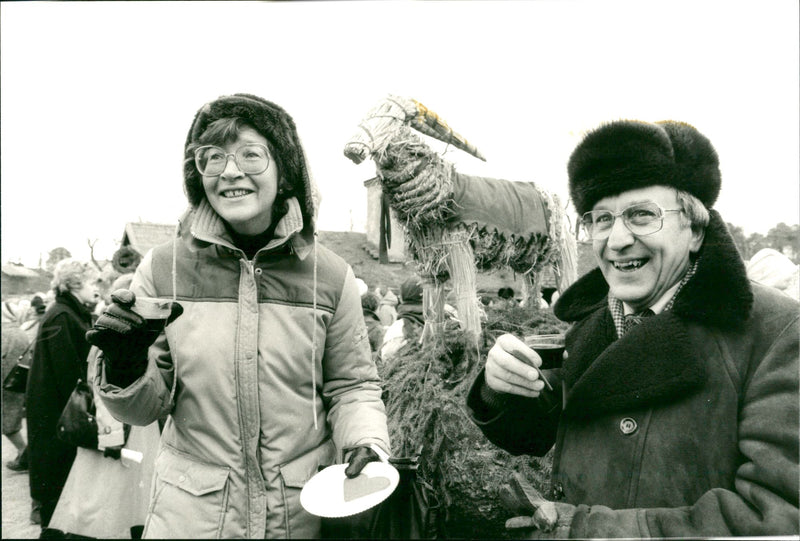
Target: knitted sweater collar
{"type": "Point", "coordinates": [208, 228]}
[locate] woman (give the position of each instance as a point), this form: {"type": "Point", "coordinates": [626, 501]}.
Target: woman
{"type": "Point", "coordinates": [16, 349]}
{"type": "Point", "coordinates": [106, 495]}
{"type": "Point", "coordinates": [59, 360]}
{"type": "Point", "coordinates": [264, 366]}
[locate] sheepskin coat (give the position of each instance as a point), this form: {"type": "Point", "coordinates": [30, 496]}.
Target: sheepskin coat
{"type": "Point", "coordinates": [687, 426]}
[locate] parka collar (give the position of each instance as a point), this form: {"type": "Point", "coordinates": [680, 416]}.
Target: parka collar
{"type": "Point", "coordinates": [656, 362]}
{"type": "Point", "coordinates": [207, 227]}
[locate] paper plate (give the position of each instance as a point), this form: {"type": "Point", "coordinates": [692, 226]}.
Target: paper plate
{"type": "Point", "coordinates": [331, 494]}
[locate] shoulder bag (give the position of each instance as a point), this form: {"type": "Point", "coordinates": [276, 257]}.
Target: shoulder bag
{"type": "Point", "coordinates": [77, 425]}
{"type": "Point", "coordinates": [17, 378]}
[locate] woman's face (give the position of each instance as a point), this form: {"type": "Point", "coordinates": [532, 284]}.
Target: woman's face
{"type": "Point", "coordinates": [243, 201]}
{"type": "Point", "coordinates": [88, 292]}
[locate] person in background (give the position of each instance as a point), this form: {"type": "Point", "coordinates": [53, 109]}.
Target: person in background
{"type": "Point", "coordinates": [31, 328]}
{"type": "Point", "coordinates": [771, 268]}
{"type": "Point", "coordinates": [375, 329]}
{"type": "Point", "coordinates": [59, 360]}
{"type": "Point", "coordinates": [675, 414]}
{"type": "Point", "coordinates": [410, 319]}
{"type": "Point", "coordinates": [16, 349]}
{"type": "Point", "coordinates": [264, 365]}
{"type": "Point", "coordinates": [506, 296]}
{"type": "Point", "coordinates": [106, 494]}
{"type": "Point", "coordinates": [387, 308]}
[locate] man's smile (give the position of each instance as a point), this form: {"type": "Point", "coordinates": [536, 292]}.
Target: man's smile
{"type": "Point", "coordinates": [630, 265]}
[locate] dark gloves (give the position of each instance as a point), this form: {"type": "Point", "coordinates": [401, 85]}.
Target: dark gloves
{"type": "Point", "coordinates": [124, 337]}
{"type": "Point", "coordinates": [113, 452]}
{"type": "Point", "coordinates": [360, 457]}
{"type": "Point", "coordinates": [538, 518]}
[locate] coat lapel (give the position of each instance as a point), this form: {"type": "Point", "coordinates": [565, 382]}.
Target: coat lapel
{"type": "Point", "coordinates": [655, 362]}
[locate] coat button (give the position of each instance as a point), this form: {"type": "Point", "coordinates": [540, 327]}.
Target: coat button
{"type": "Point", "coordinates": [182, 478]}
{"type": "Point", "coordinates": [107, 430]}
{"type": "Point", "coordinates": [628, 426]}
{"type": "Point", "coordinates": [558, 491]}
{"type": "Point", "coordinates": [258, 272]}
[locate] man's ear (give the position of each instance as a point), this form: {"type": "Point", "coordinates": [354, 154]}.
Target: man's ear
{"type": "Point", "coordinates": [697, 240]}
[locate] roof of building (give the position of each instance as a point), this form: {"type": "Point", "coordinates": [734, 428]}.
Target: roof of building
{"type": "Point", "coordinates": [141, 236]}
{"type": "Point", "coordinates": [18, 271]}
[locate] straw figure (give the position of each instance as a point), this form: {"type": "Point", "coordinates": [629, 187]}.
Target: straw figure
{"type": "Point", "coordinates": [457, 224]}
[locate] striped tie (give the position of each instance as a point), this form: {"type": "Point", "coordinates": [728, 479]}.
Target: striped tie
{"type": "Point", "coordinates": [631, 320]}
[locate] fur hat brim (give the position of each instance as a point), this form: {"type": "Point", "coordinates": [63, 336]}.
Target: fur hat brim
{"type": "Point", "coordinates": [626, 155]}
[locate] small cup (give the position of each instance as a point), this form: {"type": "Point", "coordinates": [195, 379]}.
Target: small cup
{"type": "Point", "coordinates": [155, 311]}
{"type": "Point", "coordinates": [550, 348]}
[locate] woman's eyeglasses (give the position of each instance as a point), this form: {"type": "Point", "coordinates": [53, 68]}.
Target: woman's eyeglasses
{"type": "Point", "coordinates": [251, 159]}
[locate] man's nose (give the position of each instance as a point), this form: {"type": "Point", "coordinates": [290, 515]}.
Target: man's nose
{"type": "Point", "coordinates": [620, 235]}
{"type": "Point", "coordinates": [231, 170]}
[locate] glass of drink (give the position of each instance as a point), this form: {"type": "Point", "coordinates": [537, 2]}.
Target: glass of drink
{"type": "Point", "coordinates": [154, 311]}
{"type": "Point", "coordinates": [550, 348]}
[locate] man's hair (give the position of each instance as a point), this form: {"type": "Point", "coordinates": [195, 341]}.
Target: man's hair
{"type": "Point", "coordinates": [694, 211]}
{"type": "Point", "coordinates": [70, 274]}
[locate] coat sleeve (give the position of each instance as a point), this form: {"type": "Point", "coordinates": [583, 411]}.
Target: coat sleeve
{"type": "Point", "coordinates": [765, 499]}
{"type": "Point", "coordinates": [351, 387]}
{"type": "Point", "coordinates": [148, 398]}
{"type": "Point", "coordinates": [516, 424]}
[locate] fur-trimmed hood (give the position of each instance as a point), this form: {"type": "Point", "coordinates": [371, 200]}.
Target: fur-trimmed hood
{"type": "Point", "coordinates": [656, 360]}
{"type": "Point", "coordinates": [274, 123]}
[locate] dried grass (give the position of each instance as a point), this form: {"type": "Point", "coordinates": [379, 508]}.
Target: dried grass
{"type": "Point", "coordinates": [425, 388]}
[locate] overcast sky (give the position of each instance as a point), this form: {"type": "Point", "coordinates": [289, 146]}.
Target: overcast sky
{"type": "Point", "coordinates": [97, 97]}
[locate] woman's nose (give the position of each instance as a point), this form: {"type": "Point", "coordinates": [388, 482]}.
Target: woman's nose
{"type": "Point", "coordinates": [232, 170]}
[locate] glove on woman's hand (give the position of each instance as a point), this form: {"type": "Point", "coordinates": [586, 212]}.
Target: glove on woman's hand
{"type": "Point", "coordinates": [124, 338]}
{"type": "Point", "coordinates": [360, 457]}
{"type": "Point", "coordinates": [113, 452]}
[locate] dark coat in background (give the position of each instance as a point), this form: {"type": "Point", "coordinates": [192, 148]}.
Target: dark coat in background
{"type": "Point", "coordinates": [685, 427]}
{"type": "Point", "coordinates": [59, 359]}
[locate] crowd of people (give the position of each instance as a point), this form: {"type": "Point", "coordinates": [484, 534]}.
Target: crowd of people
{"type": "Point", "coordinates": [675, 413]}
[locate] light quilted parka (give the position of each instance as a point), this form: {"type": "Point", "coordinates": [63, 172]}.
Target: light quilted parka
{"type": "Point", "coordinates": [252, 416]}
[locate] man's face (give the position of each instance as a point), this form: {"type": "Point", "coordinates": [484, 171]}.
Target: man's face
{"type": "Point", "coordinates": [640, 269]}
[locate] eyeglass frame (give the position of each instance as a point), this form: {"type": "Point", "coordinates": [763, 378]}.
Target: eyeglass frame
{"type": "Point", "coordinates": [228, 156]}
{"type": "Point", "coordinates": [621, 213]}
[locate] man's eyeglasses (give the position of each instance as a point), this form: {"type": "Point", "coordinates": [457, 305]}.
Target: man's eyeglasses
{"type": "Point", "coordinates": [251, 159]}
{"type": "Point", "coordinates": [640, 219]}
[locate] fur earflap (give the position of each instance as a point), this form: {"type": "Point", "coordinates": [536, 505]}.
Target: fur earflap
{"type": "Point", "coordinates": [269, 120]}
{"type": "Point", "coordinates": [628, 154]}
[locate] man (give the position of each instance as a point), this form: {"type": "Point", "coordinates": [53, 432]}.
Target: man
{"type": "Point", "coordinates": [680, 424]}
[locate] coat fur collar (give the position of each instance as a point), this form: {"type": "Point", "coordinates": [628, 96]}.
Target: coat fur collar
{"type": "Point", "coordinates": [656, 361]}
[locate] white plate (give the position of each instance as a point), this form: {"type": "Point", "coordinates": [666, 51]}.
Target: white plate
{"type": "Point", "coordinates": [331, 494]}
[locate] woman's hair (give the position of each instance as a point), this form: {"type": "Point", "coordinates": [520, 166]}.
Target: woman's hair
{"type": "Point", "coordinates": [70, 274]}
{"type": "Point", "coordinates": [226, 130]}
{"type": "Point", "coordinates": [694, 210]}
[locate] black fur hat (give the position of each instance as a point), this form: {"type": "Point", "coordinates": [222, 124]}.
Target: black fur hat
{"type": "Point", "coordinates": [269, 120]}
{"type": "Point", "coordinates": [628, 154]}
